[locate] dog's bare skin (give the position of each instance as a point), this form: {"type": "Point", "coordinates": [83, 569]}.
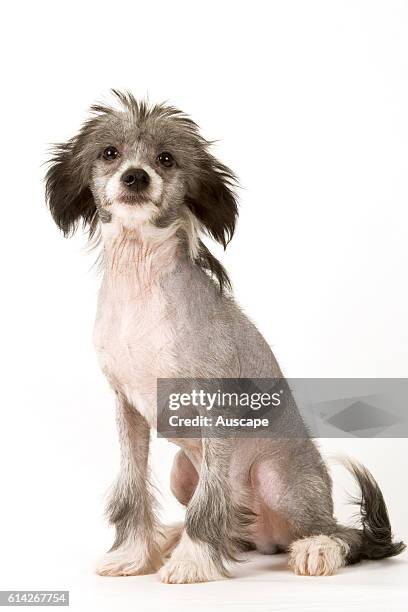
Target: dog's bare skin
{"type": "Point", "coordinates": [144, 179]}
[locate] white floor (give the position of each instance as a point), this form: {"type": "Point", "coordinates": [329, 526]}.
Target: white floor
{"type": "Point", "coordinates": [261, 584]}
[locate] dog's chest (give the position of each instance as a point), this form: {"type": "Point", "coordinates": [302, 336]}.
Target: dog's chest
{"type": "Point", "coordinates": [133, 339]}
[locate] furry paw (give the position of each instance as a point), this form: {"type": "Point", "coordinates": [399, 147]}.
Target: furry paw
{"type": "Point", "coordinates": [130, 560]}
{"type": "Point", "coordinates": [190, 562]}
{"type": "Point", "coordinates": [317, 555]}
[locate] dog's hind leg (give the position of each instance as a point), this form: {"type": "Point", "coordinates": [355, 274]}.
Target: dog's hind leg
{"type": "Point", "coordinates": [170, 536]}
{"type": "Point", "coordinates": [131, 507]}
{"type": "Point", "coordinates": [183, 478]}
{"type": "Point", "coordinates": [214, 522]}
{"type": "Point", "coordinates": [317, 544]}
{"type": "Point", "coordinates": [296, 509]}
{"type": "Point", "coordinates": [323, 554]}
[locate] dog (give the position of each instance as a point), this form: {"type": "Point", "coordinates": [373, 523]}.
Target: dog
{"type": "Point", "coordinates": [142, 179]}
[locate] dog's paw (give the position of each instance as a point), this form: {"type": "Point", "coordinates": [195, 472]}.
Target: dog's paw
{"type": "Point", "coordinates": [317, 556]}
{"type": "Point", "coordinates": [168, 538]}
{"type": "Point", "coordinates": [130, 560]}
{"type": "Point", "coordinates": [190, 562]}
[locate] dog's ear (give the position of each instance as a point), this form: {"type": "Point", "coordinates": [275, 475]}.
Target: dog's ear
{"type": "Point", "coordinates": [67, 186]}
{"type": "Point", "coordinates": [210, 196]}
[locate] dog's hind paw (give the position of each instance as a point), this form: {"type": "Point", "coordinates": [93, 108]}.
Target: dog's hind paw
{"type": "Point", "coordinates": [168, 538]}
{"type": "Point", "coordinates": [317, 555]}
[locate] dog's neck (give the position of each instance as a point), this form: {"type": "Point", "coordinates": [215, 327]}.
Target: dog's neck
{"type": "Point", "coordinates": [143, 254]}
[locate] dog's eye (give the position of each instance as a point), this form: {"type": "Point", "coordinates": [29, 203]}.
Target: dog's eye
{"type": "Point", "coordinates": [165, 159]}
{"type": "Point", "coordinates": [110, 153]}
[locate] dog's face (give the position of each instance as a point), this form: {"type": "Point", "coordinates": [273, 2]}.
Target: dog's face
{"type": "Point", "coordinates": [140, 165]}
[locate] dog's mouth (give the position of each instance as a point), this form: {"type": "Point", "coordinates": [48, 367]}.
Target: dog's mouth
{"type": "Point", "coordinates": [133, 198]}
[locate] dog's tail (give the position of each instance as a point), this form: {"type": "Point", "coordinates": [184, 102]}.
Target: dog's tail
{"type": "Point", "coordinates": [374, 539]}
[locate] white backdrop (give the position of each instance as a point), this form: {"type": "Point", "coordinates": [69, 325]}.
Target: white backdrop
{"type": "Point", "coordinates": [309, 103]}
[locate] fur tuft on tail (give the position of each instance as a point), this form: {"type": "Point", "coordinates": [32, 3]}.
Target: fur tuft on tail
{"type": "Point", "coordinates": [375, 535]}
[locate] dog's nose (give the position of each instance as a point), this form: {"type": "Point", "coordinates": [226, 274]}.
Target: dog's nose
{"type": "Point", "coordinates": [136, 178]}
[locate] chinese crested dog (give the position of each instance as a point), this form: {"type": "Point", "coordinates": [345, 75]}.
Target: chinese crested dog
{"type": "Point", "coordinates": [143, 179]}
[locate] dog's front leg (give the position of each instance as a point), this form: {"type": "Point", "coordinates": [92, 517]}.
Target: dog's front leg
{"type": "Point", "coordinates": [216, 524]}
{"type": "Point", "coordinates": [131, 505]}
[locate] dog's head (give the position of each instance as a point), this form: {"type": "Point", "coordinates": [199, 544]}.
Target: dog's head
{"type": "Point", "coordinates": [140, 164]}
